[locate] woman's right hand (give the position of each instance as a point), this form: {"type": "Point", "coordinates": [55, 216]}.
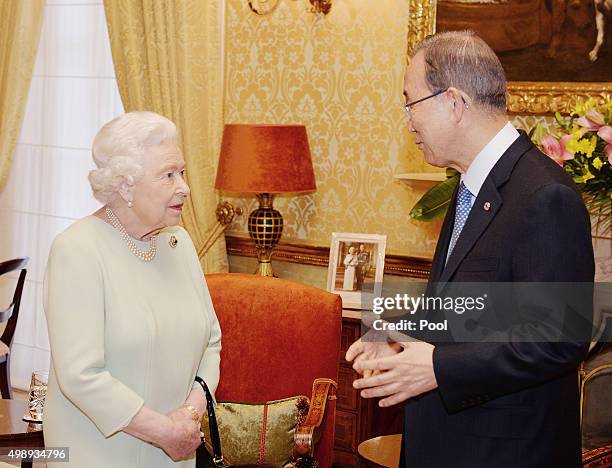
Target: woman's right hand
{"type": "Point", "coordinates": [184, 436]}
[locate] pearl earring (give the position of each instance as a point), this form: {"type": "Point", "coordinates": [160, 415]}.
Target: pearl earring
{"type": "Point", "coordinates": [129, 204]}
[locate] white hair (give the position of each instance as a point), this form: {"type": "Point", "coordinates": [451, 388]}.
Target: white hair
{"type": "Point", "coordinates": [119, 147]}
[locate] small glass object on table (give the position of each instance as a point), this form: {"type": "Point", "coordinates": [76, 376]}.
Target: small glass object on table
{"type": "Point", "coordinates": [36, 396]}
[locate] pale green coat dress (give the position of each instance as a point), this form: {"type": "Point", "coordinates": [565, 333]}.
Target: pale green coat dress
{"type": "Point", "coordinates": [123, 333]}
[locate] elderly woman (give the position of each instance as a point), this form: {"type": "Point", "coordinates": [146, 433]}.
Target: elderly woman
{"type": "Point", "coordinates": [350, 262]}
{"type": "Point", "coordinates": [130, 319]}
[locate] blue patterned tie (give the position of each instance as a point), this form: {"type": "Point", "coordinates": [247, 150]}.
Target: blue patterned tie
{"type": "Point", "coordinates": [464, 205]}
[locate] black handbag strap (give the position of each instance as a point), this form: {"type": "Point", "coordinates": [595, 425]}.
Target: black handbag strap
{"type": "Point", "coordinates": [215, 440]}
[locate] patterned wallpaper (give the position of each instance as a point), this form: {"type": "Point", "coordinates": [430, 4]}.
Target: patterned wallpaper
{"type": "Point", "coordinates": [527, 122]}
{"type": "Point", "coordinates": [342, 76]}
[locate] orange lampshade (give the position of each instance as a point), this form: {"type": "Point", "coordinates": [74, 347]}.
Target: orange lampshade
{"type": "Point", "coordinates": [265, 159]}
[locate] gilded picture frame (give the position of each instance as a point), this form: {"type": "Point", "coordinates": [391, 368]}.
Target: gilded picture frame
{"type": "Point", "coordinates": [524, 97]}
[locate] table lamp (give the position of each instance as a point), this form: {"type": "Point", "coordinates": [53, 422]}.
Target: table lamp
{"type": "Point", "coordinates": [265, 160]}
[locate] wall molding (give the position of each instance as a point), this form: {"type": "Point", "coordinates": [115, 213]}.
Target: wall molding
{"type": "Point", "coordinates": [398, 265]}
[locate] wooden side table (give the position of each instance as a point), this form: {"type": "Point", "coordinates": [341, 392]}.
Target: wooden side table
{"type": "Point", "coordinates": [16, 433]}
{"type": "Point", "coordinates": [382, 451]}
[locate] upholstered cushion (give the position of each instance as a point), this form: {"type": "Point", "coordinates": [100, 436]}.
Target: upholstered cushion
{"type": "Point", "coordinates": [258, 433]}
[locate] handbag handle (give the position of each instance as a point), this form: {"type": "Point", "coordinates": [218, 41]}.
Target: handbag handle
{"type": "Point", "coordinates": [212, 424]}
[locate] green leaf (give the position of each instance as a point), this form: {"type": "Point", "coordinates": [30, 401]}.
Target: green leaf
{"type": "Point", "coordinates": [434, 203]}
{"type": "Point", "coordinates": [539, 132]}
{"type": "Point", "coordinates": [565, 126]}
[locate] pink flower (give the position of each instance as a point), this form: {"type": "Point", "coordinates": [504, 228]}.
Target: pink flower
{"type": "Point", "coordinates": [608, 151]}
{"type": "Point", "coordinates": [595, 116]}
{"type": "Point", "coordinates": [566, 154]}
{"type": "Point", "coordinates": [551, 146]}
{"type": "Point", "coordinates": [591, 121]}
{"type": "Point", "coordinates": [605, 133]}
{"type": "Point", "coordinates": [587, 124]}
{"type": "Point", "coordinates": [556, 149]}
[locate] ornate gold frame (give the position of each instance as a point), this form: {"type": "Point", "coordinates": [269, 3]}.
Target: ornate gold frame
{"type": "Point", "coordinates": [524, 97]}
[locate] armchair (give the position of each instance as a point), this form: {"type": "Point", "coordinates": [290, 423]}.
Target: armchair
{"type": "Point", "coordinates": [595, 412]}
{"type": "Point", "coordinates": [10, 316]}
{"type": "Point", "coordinates": [278, 337]}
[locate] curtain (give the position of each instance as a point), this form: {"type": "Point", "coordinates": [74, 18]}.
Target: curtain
{"type": "Point", "coordinates": [20, 25]}
{"type": "Point", "coordinates": [168, 59]}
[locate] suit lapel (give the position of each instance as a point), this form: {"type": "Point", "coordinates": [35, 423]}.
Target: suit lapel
{"type": "Point", "coordinates": [485, 207]}
{"type": "Point", "coordinates": [477, 222]}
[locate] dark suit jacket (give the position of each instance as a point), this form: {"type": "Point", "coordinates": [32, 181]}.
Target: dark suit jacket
{"type": "Point", "coordinates": [507, 404]}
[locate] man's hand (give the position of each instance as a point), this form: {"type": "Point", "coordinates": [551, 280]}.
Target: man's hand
{"type": "Point", "coordinates": [373, 345]}
{"type": "Point", "coordinates": [396, 376]}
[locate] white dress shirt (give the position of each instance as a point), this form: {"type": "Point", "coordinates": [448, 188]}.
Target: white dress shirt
{"type": "Point", "coordinates": [484, 161]}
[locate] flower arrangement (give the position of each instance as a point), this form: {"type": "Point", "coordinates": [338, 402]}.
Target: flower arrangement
{"type": "Point", "coordinates": [582, 145]}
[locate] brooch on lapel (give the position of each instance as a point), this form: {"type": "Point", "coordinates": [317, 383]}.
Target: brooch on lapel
{"type": "Point", "coordinates": [487, 206]}
{"type": "Point", "coordinates": [173, 242]}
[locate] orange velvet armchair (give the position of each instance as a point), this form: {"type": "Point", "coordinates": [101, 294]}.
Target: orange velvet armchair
{"type": "Point", "coordinates": [277, 338]}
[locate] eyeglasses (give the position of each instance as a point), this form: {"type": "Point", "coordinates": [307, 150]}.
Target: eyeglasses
{"type": "Point", "coordinates": [410, 104]}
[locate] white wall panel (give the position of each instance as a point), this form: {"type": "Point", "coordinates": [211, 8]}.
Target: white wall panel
{"type": "Point", "coordinates": [65, 184]}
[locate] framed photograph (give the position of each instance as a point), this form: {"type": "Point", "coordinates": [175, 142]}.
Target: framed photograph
{"type": "Point", "coordinates": [356, 266]}
{"type": "Point", "coordinates": [550, 49]}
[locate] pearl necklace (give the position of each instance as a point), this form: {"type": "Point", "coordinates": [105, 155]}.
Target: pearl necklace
{"type": "Point", "coordinates": [144, 256]}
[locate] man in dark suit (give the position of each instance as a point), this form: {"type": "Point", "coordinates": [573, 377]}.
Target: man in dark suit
{"type": "Point", "coordinates": [515, 217]}
{"type": "Point", "coordinates": [363, 266]}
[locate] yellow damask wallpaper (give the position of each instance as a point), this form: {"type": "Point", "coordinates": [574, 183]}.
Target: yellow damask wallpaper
{"type": "Point", "coordinates": [342, 76]}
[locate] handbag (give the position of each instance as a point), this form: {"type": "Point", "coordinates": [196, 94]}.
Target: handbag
{"type": "Point", "coordinates": [204, 458]}
{"type": "Point", "coordinates": [309, 417]}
